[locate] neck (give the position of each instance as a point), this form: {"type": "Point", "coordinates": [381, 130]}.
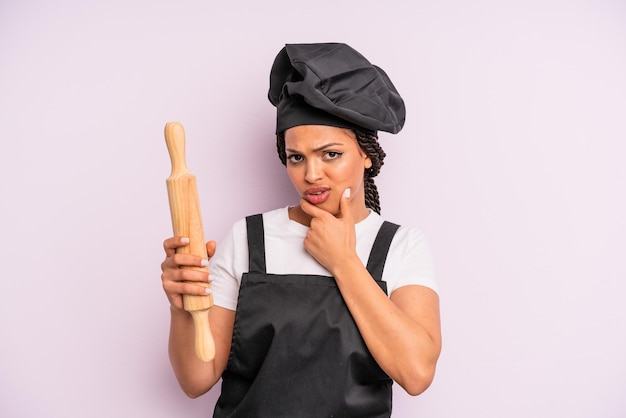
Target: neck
{"type": "Point", "coordinates": [296, 214]}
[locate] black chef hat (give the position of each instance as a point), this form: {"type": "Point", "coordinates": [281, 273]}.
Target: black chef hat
{"type": "Point", "coordinates": [332, 84]}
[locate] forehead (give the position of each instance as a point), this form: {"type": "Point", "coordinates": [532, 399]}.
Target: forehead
{"type": "Point", "coordinates": [313, 136]}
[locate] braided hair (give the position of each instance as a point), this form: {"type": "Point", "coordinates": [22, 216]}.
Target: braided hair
{"type": "Point", "coordinates": [368, 141]}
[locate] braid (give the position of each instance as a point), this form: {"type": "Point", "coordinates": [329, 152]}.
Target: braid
{"type": "Point", "coordinates": [368, 141]}
{"type": "Point", "coordinates": [280, 147]}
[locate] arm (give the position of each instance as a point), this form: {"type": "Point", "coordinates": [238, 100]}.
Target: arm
{"type": "Point", "coordinates": [402, 332]}
{"type": "Point", "coordinates": [194, 376]}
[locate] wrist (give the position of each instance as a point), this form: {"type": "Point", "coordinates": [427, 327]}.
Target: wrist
{"type": "Point", "coordinates": [347, 267]}
{"type": "Point", "coordinates": [178, 312]}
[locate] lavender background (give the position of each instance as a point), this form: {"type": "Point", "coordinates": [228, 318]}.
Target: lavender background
{"type": "Point", "coordinates": [511, 161]}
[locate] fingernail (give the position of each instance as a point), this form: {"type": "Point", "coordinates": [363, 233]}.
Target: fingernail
{"type": "Point", "coordinates": [210, 278]}
{"type": "Point", "coordinates": [208, 291]}
{"type": "Point", "coordinates": [204, 262]}
{"type": "Point", "coordinates": [184, 240]}
{"type": "Point", "coordinates": [346, 193]}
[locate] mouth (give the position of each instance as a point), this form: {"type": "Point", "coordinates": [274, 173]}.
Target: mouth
{"type": "Point", "coordinates": [316, 195]}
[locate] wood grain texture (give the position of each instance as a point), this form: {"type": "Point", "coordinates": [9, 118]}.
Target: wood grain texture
{"type": "Point", "coordinates": [187, 222]}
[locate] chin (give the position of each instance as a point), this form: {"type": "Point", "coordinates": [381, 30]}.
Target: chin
{"type": "Point", "coordinates": [326, 206]}
{"type": "Point", "coordinates": [330, 207]}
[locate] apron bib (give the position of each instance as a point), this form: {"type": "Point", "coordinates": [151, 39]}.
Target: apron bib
{"type": "Point", "coordinates": [296, 350]}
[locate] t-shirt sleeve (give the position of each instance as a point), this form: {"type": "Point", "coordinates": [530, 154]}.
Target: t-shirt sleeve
{"type": "Point", "coordinates": [227, 265]}
{"type": "Point", "coordinates": [410, 261]}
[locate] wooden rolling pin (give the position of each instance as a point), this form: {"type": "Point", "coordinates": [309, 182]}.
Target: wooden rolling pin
{"type": "Point", "coordinates": [187, 222]}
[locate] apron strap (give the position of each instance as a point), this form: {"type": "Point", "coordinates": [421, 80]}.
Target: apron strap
{"type": "Point", "coordinates": [378, 255]}
{"type": "Point", "coordinates": [375, 263]}
{"type": "Point", "coordinates": [256, 243]}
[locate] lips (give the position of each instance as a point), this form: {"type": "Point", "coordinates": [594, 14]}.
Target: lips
{"type": "Point", "coordinates": [317, 195]}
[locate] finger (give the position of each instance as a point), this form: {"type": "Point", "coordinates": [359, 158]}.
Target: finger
{"type": "Point", "coordinates": [191, 275]}
{"type": "Point", "coordinates": [179, 261]}
{"type": "Point", "coordinates": [189, 260]}
{"type": "Point", "coordinates": [345, 206]}
{"type": "Point", "coordinates": [185, 275]}
{"type": "Point", "coordinates": [171, 244]}
{"type": "Point", "coordinates": [185, 288]}
{"type": "Point", "coordinates": [312, 210]}
{"type": "Point", "coordinates": [210, 248]}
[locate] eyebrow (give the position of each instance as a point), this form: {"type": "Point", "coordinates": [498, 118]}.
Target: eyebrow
{"type": "Point", "coordinates": [320, 148]}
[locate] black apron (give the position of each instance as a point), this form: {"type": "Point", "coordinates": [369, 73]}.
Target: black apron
{"type": "Point", "coordinates": [296, 350]}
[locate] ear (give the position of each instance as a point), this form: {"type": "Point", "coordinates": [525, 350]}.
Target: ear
{"type": "Point", "coordinates": [368, 162]}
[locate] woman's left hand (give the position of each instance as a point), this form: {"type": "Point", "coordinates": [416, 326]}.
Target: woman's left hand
{"type": "Point", "coordinates": [331, 239]}
{"type": "Point", "coordinates": [402, 331]}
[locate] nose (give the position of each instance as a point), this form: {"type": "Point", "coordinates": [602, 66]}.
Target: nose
{"type": "Point", "coordinates": [313, 171]}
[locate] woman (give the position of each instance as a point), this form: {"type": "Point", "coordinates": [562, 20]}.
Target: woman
{"type": "Point", "coordinates": [318, 306]}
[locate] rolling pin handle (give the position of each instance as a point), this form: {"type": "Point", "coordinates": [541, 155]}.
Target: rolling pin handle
{"type": "Point", "coordinates": [175, 140]}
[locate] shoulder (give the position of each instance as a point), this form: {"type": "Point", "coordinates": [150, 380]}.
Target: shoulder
{"type": "Point", "coordinates": [405, 234]}
{"type": "Point", "coordinates": [410, 260]}
{"type": "Point", "coordinates": [278, 216]}
{"type": "Point", "coordinates": [410, 236]}
{"type": "Point", "coordinates": [272, 218]}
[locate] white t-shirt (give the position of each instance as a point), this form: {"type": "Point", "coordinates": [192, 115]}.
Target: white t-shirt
{"type": "Point", "coordinates": [409, 260]}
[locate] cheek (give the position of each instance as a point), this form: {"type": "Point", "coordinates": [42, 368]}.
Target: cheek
{"type": "Point", "coordinates": [293, 175]}
{"type": "Point", "coordinates": [352, 171]}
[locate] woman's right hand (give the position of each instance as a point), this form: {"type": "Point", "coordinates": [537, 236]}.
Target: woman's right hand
{"type": "Point", "coordinates": [194, 376]}
{"type": "Point", "coordinates": [174, 274]}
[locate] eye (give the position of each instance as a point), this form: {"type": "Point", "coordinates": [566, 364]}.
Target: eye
{"type": "Point", "coordinates": [294, 158]}
{"type": "Point", "coordinates": [332, 155]}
